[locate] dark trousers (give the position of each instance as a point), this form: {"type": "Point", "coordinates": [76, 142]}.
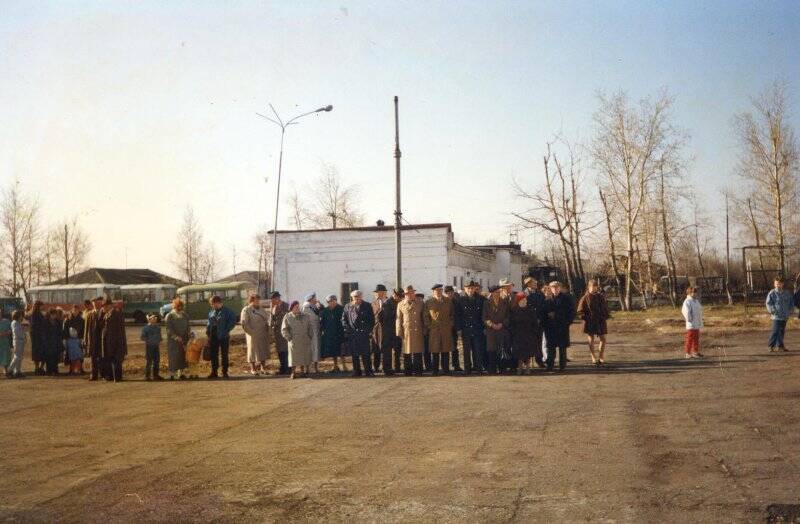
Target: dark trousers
{"type": "Point", "coordinates": [97, 367]}
{"type": "Point", "coordinates": [390, 355]}
{"type": "Point", "coordinates": [152, 361]}
{"type": "Point", "coordinates": [115, 368]}
{"type": "Point", "coordinates": [357, 360]}
{"type": "Point", "coordinates": [455, 361]}
{"type": "Point", "coordinates": [491, 363]}
{"type": "Point", "coordinates": [443, 360]}
{"type": "Point", "coordinates": [551, 356]}
{"type": "Point", "coordinates": [776, 337]}
{"type": "Point", "coordinates": [218, 346]}
{"type": "Point", "coordinates": [537, 349]}
{"type": "Point", "coordinates": [283, 358]}
{"type": "Point", "coordinates": [412, 362]}
{"type": "Point", "coordinates": [473, 352]}
{"type": "Point", "coordinates": [51, 364]}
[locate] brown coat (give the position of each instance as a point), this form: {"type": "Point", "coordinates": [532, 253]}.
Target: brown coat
{"type": "Point", "coordinates": [115, 343]}
{"type": "Point", "coordinates": [93, 333]}
{"type": "Point", "coordinates": [593, 309]}
{"type": "Point", "coordinates": [439, 321]}
{"type": "Point", "coordinates": [499, 313]}
{"type": "Point", "coordinates": [410, 326]}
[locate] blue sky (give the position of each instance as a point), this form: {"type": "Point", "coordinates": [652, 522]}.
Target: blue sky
{"type": "Point", "coordinates": [126, 112]}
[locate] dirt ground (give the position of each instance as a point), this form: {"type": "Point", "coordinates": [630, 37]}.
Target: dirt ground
{"type": "Point", "coordinates": [652, 438]}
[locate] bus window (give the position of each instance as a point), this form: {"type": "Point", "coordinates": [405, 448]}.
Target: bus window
{"type": "Point", "coordinates": [244, 295]}
{"type": "Point", "coordinates": [195, 296]}
{"type": "Point", "coordinates": [231, 293]}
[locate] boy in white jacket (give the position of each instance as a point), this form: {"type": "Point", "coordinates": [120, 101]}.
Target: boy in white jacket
{"type": "Point", "coordinates": [693, 314]}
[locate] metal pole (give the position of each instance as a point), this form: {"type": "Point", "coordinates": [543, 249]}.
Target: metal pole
{"type": "Point", "coordinates": [746, 283]}
{"type": "Point", "coordinates": [728, 253]}
{"type": "Point", "coordinates": [277, 203]}
{"type": "Point", "coordinates": [397, 213]}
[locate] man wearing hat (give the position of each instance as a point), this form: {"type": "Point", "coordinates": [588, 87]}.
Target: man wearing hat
{"type": "Point", "coordinates": [470, 322]}
{"type": "Point", "coordinates": [385, 336]}
{"type": "Point", "coordinates": [411, 330]}
{"type": "Point", "coordinates": [278, 310]}
{"type": "Point", "coordinates": [559, 311]}
{"type": "Point", "coordinates": [439, 322]}
{"type": "Point", "coordinates": [496, 318]}
{"type": "Point", "coordinates": [535, 301]}
{"type": "Point", "coordinates": [450, 293]}
{"type": "Point", "coordinates": [358, 321]}
{"type": "Point", "coordinates": [379, 295]}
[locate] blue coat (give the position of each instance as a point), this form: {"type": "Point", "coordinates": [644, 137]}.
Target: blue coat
{"type": "Point", "coordinates": [780, 304]}
{"type": "Point", "coordinates": [223, 319]}
{"type": "Point", "coordinates": [558, 313]}
{"type": "Point", "coordinates": [358, 322]}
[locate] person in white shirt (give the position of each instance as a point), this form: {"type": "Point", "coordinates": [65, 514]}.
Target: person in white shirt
{"type": "Point", "coordinates": [693, 314]}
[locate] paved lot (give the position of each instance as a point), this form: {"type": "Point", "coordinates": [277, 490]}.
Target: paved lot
{"type": "Point", "coordinates": [653, 438]}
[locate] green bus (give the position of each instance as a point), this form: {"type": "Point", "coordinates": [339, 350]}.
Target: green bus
{"type": "Point", "coordinates": [140, 300]}
{"type": "Point", "coordinates": [196, 296]}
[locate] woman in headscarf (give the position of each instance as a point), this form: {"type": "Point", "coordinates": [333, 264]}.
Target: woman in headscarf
{"type": "Point", "coordinates": [332, 332]}
{"type": "Point", "coordinates": [524, 329]}
{"type": "Point", "coordinates": [311, 308]}
{"type": "Point", "coordinates": [39, 326]}
{"type": "Point", "coordinates": [298, 330]}
{"type": "Point", "coordinates": [178, 334]}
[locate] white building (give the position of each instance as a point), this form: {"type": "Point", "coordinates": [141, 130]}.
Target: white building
{"type": "Point", "coordinates": [336, 261]}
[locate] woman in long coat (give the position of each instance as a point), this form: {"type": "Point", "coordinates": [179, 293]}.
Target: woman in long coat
{"type": "Point", "coordinates": [311, 308]}
{"type": "Point", "coordinates": [256, 325]}
{"type": "Point", "coordinates": [298, 330]}
{"type": "Point", "coordinates": [54, 345]}
{"type": "Point", "coordinates": [593, 309]}
{"type": "Point", "coordinates": [410, 328]}
{"type": "Point", "coordinates": [332, 332]}
{"type": "Point", "coordinates": [115, 344]}
{"type": "Point", "coordinates": [177, 322]}
{"type": "Point", "coordinates": [39, 326]}
{"type": "Point", "coordinates": [525, 329]}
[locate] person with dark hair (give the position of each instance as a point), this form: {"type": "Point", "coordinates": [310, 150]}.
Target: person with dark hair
{"type": "Point", "coordinates": [593, 309]}
{"type": "Point", "coordinates": [18, 336]}
{"type": "Point", "coordinates": [385, 335]}
{"type": "Point", "coordinates": [780, 305]}
{"type": "Point", "coordinates": [358, 321]}
{"type": "Point", "coordinates": [496, 320]}
{"type": "Point", "coordinates": [221, 320]}
{"type": "Point", "coordinates": [278, 310]}
{"type": "Point", "coordinates": [72, 334]}
{"type": "Point", "coordinates": [536, 302]}
{"type": "Point", "coordinates": [93, 339]}
{"type": "Point", "coordinates": [524, 325]}
{"type": "Point", "coordinates": [469, 321]}
{"type": "Point", "coordinates": [692, 311]}
{"type": "Point", "coordinates": [559, 312]}
{"type": "Point", "coordinates": [380, 298]}
{"type": "Point", "coordinates": [115, 343]}
{"type": "Point", "coordinates": [332, 332]}
{"type": "Point", "coordinates": [151, 336]}
{"type": "Point", "coordinates": [450, 293]}
{"type": "Point", "coordinates": [39, 327]}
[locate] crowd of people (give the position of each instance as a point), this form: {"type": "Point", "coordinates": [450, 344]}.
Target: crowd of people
{"type": "Point", "coordinates": [501, 331]}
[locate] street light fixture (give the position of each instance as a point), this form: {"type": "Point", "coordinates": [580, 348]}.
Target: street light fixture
{"type": "Point", "coordinates": [283, 125]}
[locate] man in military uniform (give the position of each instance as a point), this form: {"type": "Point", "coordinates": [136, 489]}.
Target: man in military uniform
{"type": "Point", "coordinates": [384, 335]}
{"type": "Point", "coordinates": [377, 350]}
{"type": "Point", "coordinates": [438, 320]}
{"type": "Point", "coordinates": [450, 293]}
{"type": "Point", "coordinates": [470, 323]}
{"type": "Point", "coordinates": [411, 330]}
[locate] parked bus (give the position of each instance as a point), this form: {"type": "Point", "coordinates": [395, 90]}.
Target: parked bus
{"type": "Point", "coordinates": [10, 304]}
{"type": "Point", "coordinates": [140, 300]}
{"type": "Point", "coordinates": [67, 295]}
{"type": "Point", "coordinates": [196, 297]}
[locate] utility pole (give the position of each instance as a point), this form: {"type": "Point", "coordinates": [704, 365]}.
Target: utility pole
{"type": "Point", "coordinates": [397, 213]}
{"type": "Point", "coordinates": [727, 253]}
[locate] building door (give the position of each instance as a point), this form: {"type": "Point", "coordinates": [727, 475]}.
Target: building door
{"type": "Point", "coordinates": [346, 288]}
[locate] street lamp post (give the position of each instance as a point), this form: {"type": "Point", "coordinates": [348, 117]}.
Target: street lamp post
{"type": "Point", "coordinates": [283, 125]}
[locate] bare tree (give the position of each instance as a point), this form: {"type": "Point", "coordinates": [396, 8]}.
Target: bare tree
{"type": "Point", "coordinates": [195, 261]}
{"type": "Point", "coordinates": [612, 252]}
{"type": "Point", "coordinates": [769, 159]}
{"type": "Point", "coordinates": [299, 214]}
{"type": "Point", "coordinates": [665, 198]}
{"type": "Point", "coordinates": [18, 229]}
{"type": "Point", "coordinates": [629, 145]}
{"type": "Point", "coordinates": [70, 247]}
{"type": "Point", "coordinates": [334, 204]}
{"type": "Point", "coordinates": [262, 256]}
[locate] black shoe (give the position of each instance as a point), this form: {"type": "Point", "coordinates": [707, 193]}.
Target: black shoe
{"type": "Point", "coordinates": [389, 373]}
{"type": "Point", "coordinates": [356, 374]}
{"type": "Point", "coordinates": [213, 376]}
{"type": "Point", "coordinates": [407, 372]}
{"type": "Point", "coordinates": [225, 375]}
{"type": "Point", "coordinates": [458, 369]}
{"type": "Point", "coordinates": [158, 377]}
{"type": "Point", "coordinates": [370, 374]}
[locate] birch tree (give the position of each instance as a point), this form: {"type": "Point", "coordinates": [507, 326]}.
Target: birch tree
{"type": "Point", "coordinates": [70, 247]}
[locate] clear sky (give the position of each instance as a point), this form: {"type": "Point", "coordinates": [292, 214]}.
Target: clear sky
{"type": "Point", "coordinates": [126, 112]}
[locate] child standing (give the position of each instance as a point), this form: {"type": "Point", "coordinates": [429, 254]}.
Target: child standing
{"type": "Point", "coordinates": [18, 336]}
{"type": "Point", "coordinates": [151, 335]}
{"type": "Point", "coordinates": [780, 304]}
{"type": "Point", "coordinates": [74, 351]}
{"type": "Point", "coordinates": [693, 314]}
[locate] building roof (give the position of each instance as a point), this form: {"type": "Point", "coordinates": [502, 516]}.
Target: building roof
{"type": "Point", "coordinates": [489, 247]}
{"type": "Point", "coordinates": [243, 276]}
{"type": "Point", "coordinates": [408, 227]}
{"type": "Point", "coordinates": [98, 275]}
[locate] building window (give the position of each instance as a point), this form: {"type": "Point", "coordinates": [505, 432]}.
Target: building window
{"type": "Point", "coordinates": [462, 282]}
{"type": "Point", "coordinates": [455, 281]}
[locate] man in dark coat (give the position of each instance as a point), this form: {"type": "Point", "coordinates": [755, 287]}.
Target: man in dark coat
{"type": "Point", "coordinates": [469, 320]}
{"type": "Point", "coordinates": [358, 321]}
{"type": "Point", "coordinates": [93, 339]}
{"type": "Point", "coordinates": [450, 293]}
{"type": "Point", "coordinates": [535, 301]}
{"type": "Point", "coordinates": [278, 310]}
{"type": "Point", "coordinates": [115, 344]}
{"type": "Point", "coordinates": [559, 312]}
{"type": "Point", "coordinates": [377, 347]}
{"type": "Point", "coordinates": [385, 334]}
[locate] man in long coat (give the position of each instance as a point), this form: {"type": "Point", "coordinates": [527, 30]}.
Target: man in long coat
{"type": "Point", "coordinates": [256, 323]}
{"type": "Point", "coordinates": [450, 293]}
{"type": "Point", "coordinates": [115, 343]}
{"type": "Point", "coordinates": [411, 329]}
{"type": "Point", "coordinates": [358, 321]}
{"type": "Point", "coordinates": [470, 322]}
{"type": "Point", "coordinates": [377, 348]}
{"type": "Point", "coordinates": [439, 322]}
{"type": "Point", "coordinates": [278, 310]}
{"type": "Point", "coordinates": [559, 312]}
{"type": "Point", "coordinates": [93, 339]}
{"type": "Point", "coordinates": [385, 335]}
{"type": "Point", "coordinates": [496, 318]}
{"type": "Point", "coordinates": [535, 301]}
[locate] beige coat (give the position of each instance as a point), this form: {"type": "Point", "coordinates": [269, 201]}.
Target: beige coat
{"type": "Point", "coordinates": [299, 331]}
{"type": "Point", "coordinates": [439, 322]}
{"type": "Point", "coordinates": [255, 323]}
{"type": "Point", "coordinates": [410, 326]}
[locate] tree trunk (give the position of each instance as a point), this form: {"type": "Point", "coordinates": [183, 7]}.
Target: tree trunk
{"type": "Point", "coordinates": [612, 251]}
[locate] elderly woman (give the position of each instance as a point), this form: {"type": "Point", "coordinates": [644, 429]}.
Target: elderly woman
{"type": "Point", "coordinates": [39, 328]}
{"type": "Point", "coordinates": [332, 332]}
{"type": "Point", "coordinates": [496, 319]}
{"type": "Point", "coordinates": [298, 330]}
{"type": "Point", "coordinates": [178, 334]}
{"type": "Point", "coordinates": [524, 329]}
{"type": "Point", "coordinates": [256, 325]}
{"type": "Point", "coordinates": [311, 308]}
